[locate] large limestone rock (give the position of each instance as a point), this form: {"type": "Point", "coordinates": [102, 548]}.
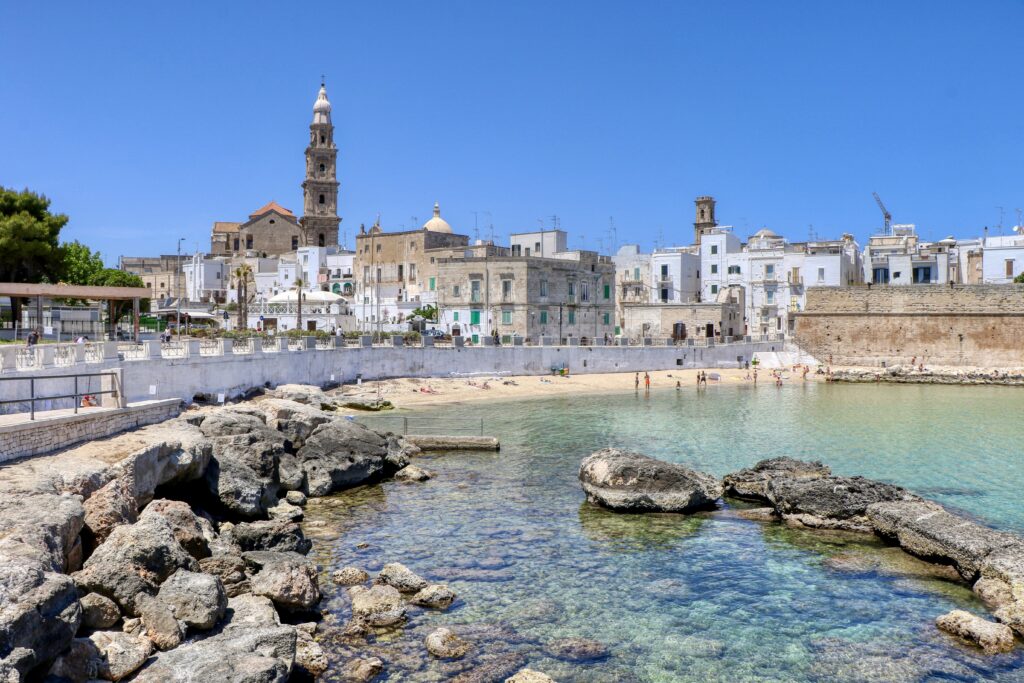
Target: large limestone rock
{"type": "Point", "coordinates": [186, 526]}
{"type": "Point", "coordinates": [122, 653]}
{"type": "Point", "coordinates": [750, 483]}
{"type": "Point", "coordinates": [1002, 585]}
{"type": "Point", "coordinates": [289, 579]}
{"type": "Point", "coordinates": [401, 577]}
{"type": "Point", "coordinates": [342, 454]}
{"type": "Point", "coordinates": [444, 644]}
{"type": "Point", "coordinates": [361, 670]}
{"type": "Point", "coordinates": [625, 481]}
{"type": "Point", "coordinates": [529, 676]}
{"type": "Point", "coordinates": [158, 622]}
{"type": "Point", "coordinates": [295, 420]}
{"type": "Point", "coordinates": [991, 637]}
{"type": "Point", "coordinates": [350, 576]}
{"type": "Point", "coordinates": [112, 505]}
{"type": "Point", "coordinates": [928, 531]}
{"type": "Point", "coordinates": [243, 471]}
{"type": "Point", "coordinates": [378, 605]}
{"type": "Point", "coordinates": [252, 647]}
{"type": "Point", "coordinates": [197, 600]}
{"type": "Point", "coordinates": [136, 558]}
{"type": "Point", "coordinates": [436, 596]}
{"type": "Point", "coordinates": [275, 534]}
{"type": "Point", "coordinates": [576, 649]}
{"type": "Point", "coordinates": [832, 502]}
{"type": "Point", "coordinates": [230, 569]}
{"type": "Point", "coordinates": [98, 611]}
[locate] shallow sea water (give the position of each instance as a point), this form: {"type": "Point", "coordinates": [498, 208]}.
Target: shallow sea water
{"type": "Point", "coordinates": [711, 597]}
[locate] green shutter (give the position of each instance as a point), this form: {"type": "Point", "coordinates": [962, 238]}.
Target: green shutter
{"type": "Point", "coordinates": [607, 291]}
{"type": "Point", "coordinates": [432, 284]}
{"type": "Point", "coordinates": [572, 317]}
{"type": "Point", "coordinates": [474, 317]}
{"type": "Point", "coordinates": [455, 316]}
{"type": "Point", "coordinates": [605, 318]}
{"type": "Point", "coordinates": [543, 317]}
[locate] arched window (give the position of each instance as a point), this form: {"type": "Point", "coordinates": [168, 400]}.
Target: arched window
{"type": "Point", "coordinates": [323, 168]}
{"type": "Point", "coordinates": [321, 240]}
{"type": "Point", "coordinates": [321, 199]}
{"type": "Point", "coordinates": [322, 139]}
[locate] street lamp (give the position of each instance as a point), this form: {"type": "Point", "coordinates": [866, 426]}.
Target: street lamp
{"type": "Point", "coordinates": [177, 287]}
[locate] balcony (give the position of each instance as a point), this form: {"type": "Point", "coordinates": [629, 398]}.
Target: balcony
{"type": "Point", "coordinates": [476, 297]}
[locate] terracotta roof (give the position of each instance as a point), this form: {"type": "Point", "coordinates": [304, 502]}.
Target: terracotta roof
{"type": "Point", "coordinates": [272, 206]}
{"type": "Point", "coordinates": [225, 226]}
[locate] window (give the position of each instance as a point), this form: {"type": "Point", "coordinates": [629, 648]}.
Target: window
{"type": "Point", "coordinates": [769, 270]}
{"type": "Point", "coordinates": [474, 290]}
{"type": "Point", "coordinates": [584, 291]}
{"type": "Point", "coordinates": [605, 318]}
{"type": "Point", "coordinates": [543, 287]}
{"type": "Point", "coordinates": [527, 251]}
{"type": "Point", "coordinates": [378, 248]}
{"type": "Point", "coordinates": [664, 272]}
{"type": "Point", "coordinates": [401, 271]}
{"type": "Point", "coordinates": [248, 241]}
{"type": "Point", "coordinates": [412, 273]}
{"type": "Point", "coordinates": [517, 250]}
{"type": "Point", "coordinates": [1009, 267]}
{"type": "Point", "coordinates": [378, 275]}
{"type": "Point", "coordinates": [236, 244]}
{"type": "Point", "coordinates": [321, 240]}
{"type": "Point", "coordinates": [366, 273]}
{"type": "Point", "coordinates": [455, 316]}
{"type": "Point", "coordinates": [506, 317]}
{"type": "Point", "coordinates": [506, 290]}
{"type": "Point", "coordinates": [714, 248]}
{"type": "Point", "coordinates": [474, 317]}
{"type": "Point", "coordinates": [572, 289]}
{"type": "Point", "coordinates": [572, 317]}
{"type": "Point", "coordinates": [322, 139]}
{"type": "Point", "coordinates": [432, 281]}
{"type": "Point", "coordinates": [769, 296]}
{"type": "Point", "coordinates": [607, 292]}
{"type": "Point", "coordinates": [896, 275]}
{"type": "Point", "coordinates": [714, 268]}
{"type": "Point", "coordinates": [323, 168]}
{"type": "Point", "coordinates": [636, 273]}
{"type": "Point", "coordinates": [536, 247]}
{"type": "Point", "coordinates": [664, 294]}
{"type": "Point", "coordinates": [295, 242]}
{"type": "Point", "coordinates": [714, 289]}
{"type": "Point", "coordinates": [821, 274]}
{"type": "Point", "coordinates": [734, 270]}
{"type": "Point", "coordinates": [322, 199]}
{"type": "Point", "coordinates": [456, 290]}
{"type": "Point", "coordinates": [794, 276]}
{"type": "Point", "coordinates": [543, 317]}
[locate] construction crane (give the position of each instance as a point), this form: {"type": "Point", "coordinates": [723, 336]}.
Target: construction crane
{"type": "Point", "coordinates": [887, 230]}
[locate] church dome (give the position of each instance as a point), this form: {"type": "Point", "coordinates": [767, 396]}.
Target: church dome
{"type": "Point", "coordinates": [437, 224]}
{"type": "Point", "coordinates": [322, 106]}
{"type": "Point", "coordinates": [765, 233]}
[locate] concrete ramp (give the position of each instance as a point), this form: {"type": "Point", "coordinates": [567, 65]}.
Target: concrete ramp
{"type": "Point", "coordinates": [783, 359]}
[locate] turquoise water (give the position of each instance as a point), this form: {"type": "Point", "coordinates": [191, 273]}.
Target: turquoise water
{"type": "Point", "coordinates": [706, 598]}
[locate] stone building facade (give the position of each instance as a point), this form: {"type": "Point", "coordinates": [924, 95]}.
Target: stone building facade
{"type": "Point", "coordinates": [568, 295]}
{"type": "Point", "coordinates": [721, 318]}
{"type": "Point", "coordinates": [979, 325]}
{"type": "Point", "coordinates": [396, 272]}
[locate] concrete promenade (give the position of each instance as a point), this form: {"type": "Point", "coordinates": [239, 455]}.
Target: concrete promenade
{"type": "Point", "coordinates": [180, 370]}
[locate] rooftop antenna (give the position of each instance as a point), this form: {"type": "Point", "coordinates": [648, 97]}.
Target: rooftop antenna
{"type": "Point", "coordinates": [611, 226]}
{"type": "Point", "coordinates": [1000, 219]}
{"type": "Point", "coordinates": [344, 238]}
{"type": "Point", "coordinates": [476, 227]}
{"type": "Point", "coordinates": [554, 222]}
{"type": "Point", "coordinates": [540, 222]}
{"type": "Point", "coordinates": [492, 232]}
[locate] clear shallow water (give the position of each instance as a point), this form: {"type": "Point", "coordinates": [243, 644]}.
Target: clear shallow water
{"type": "Point", "coordinates": [705, 598]}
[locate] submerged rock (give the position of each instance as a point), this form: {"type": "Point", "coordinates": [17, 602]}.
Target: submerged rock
{"type": "Point", "coordinates": [378, 605]}
{"type": "Point", "coordinates": [401, 577]}
{"type": "Point", "coordinates": [625, 481]}
{"type": "Point", "coordinates": [436, 595]}
{"type": "Point", "coordinates": [529, 676]}
{"type": "Point", "coordinates": [576, 649]}
{"type": "Point", "coordinates": [350, 576]}
{"type": "Point", "coordinates": [444, 644]}
{"type": "Point", "coordinates": [750, 483]}
{"type": "Point", "coordinates": [412, 473]}
{"type": "Point", "coordinates": [991, 637]}
{"type": "Point", "coordinates": [832, 502]}
{"type": "Point", "coordinates": [360, 670]}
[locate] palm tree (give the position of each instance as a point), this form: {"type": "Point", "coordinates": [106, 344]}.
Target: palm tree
{"type": "Point", "coordinates": [298, 290]}
{"type": "Point", "coordinates": [242, 276]}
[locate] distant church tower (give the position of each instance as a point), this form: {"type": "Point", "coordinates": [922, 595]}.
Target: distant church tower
{"type": "Point", "coordinates": [320, 188]}
{"type": "Point", "coordinates": [705, 217]}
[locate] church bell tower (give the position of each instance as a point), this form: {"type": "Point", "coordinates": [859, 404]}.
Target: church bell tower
{"type": "Point", "coordinates": [320, 188]}
{"type": "Point", "coordinates": [705, 217]}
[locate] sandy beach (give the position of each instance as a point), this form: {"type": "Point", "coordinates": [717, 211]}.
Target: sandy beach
{"type": "Point", "coordinates": [410, 392]}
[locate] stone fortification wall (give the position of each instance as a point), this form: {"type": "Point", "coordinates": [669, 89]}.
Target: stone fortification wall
{"type": "Point", "coordinates": [978, 325]}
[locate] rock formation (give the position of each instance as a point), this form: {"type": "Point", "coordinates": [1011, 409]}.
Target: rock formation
{"type": "Point", "coordinates": [631, 482]}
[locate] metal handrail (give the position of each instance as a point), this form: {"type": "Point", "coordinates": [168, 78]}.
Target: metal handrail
{"type": "Point", "coordinates": [460, 424]}
{"type": "Point", "coordinates": [33, 399]}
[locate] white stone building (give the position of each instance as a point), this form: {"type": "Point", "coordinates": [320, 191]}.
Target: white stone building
{"type": "Point", "coordinates": [1002, 258]}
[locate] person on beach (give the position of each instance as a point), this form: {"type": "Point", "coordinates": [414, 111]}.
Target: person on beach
{"type": "Point", "coordinates": [755, 376]}
{"type": "Point", "coordinates": [647, 382]}
{"type": "Point", "coordinates": [636, 381]}
{"type": "Point", "coordinates": [679, 385]}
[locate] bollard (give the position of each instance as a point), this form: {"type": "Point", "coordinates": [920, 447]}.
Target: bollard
{"type": "Point", "coordinates": [517, 340]}
{"type": "Point", "coordinates": [153, 349]}
{"type": "Point", "coordinates": [458, 341]}
{"type": "Point", "coordinates": [282, 344]}
{"type": "Point", "coordinates": [573, 341]}
{"type": "Point", "coordinates": [397, 340]}
{"type": "Point", "coordinates": [670, 341]}
{"type": "Point", "coordinates": [226, 347]}
{"type": "Point", "coordinates": [194, 346]}
{"type": "Point", "coordinates": [486, 340]}
{"type": "Point", "coordinates": [257, 345]}
{"type": "Point", "coordinates": [365, 340]}
{"type": "Point", "coordinates": [308, 343]}
{"type": "Point", "coordinates": [426, 340]}
{"type": "Point", "coordinates": [110, 350]}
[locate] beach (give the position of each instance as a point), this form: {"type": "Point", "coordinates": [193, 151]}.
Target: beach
{"type": "Point", "coordinates": [412, 392]}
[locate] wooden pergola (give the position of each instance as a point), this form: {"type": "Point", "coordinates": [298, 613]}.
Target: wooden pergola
{"type": "Point", "coordinates": [18, 290]}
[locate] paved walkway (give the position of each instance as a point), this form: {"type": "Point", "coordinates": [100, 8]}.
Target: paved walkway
{"type": "Point", "coordinates": [44, 415]}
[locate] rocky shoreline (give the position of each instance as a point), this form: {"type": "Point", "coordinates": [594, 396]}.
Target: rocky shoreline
{"type": "Point", "coordinates": [807, 494]}
{"type": "Point", "coordinates": [907, 374]}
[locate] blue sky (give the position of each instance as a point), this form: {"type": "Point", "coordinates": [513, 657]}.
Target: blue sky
{"type": "Point", "coordinates": [146, 122]}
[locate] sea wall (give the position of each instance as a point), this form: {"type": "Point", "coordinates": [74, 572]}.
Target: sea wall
{"type": "Point", "coordinates": [976, 325]}
{"type": "Point", "coordinates": [152, 376]}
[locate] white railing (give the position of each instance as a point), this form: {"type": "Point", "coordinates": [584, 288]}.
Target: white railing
{"type": "Point", "coordinates": [27, 359]}
{"type": "Point", "coordinates": [210, 347]}
{"type": "Point", "coordinates": [64, 356]}
{"type": "Point", "coordinates": [242, 346]}
{"type": "Point", "coordinates": [271, 345]}
{"type": "Point", "coordinates": [296, 344]}
{"type": "Point", "coordinates": [324, 344]}
{"type": "Point", "coordinates": [133, 351]}
{"type": "Point", "coordinates": [174, 349]}
{"type": "Point", "coordinates": [94, 352]}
